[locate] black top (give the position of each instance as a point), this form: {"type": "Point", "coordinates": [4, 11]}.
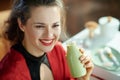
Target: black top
{"type": "Point", "coordinates": [33, 62]}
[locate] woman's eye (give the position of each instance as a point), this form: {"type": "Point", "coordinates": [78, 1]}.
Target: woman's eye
{"type": "Point", "coordinates": [39, 26]}
{"type": "Point", "coordinates": [54, 26]}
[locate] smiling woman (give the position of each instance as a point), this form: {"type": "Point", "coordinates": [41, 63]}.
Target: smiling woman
{"type": "Point", "coordinates": [43, 28]}
{"type": "Point", "coordinates": [33, 29]}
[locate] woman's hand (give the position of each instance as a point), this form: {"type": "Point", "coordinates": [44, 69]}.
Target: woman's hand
{"type": "Point", "coordinates": [88, 64]}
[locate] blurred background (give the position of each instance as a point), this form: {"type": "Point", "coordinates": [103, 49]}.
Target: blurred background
{"type": "Point", "coordinates": [81, 11]}
{"type": "Point", "coordinates": [78, 13]}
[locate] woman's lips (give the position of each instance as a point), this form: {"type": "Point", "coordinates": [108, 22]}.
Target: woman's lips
{"type": "Point", "coordinates": [46, 42]}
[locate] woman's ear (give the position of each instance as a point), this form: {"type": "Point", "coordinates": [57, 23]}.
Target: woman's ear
{"type": "Point", "coordinates": [20, 24]}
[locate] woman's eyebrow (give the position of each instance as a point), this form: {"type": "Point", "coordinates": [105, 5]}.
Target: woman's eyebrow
{"type": "Point", "coordinates": [57, 22]}
{"type": "Point", "coordinates": [39, 23]}
{"type": "Point", "coordinates": [45, 23]}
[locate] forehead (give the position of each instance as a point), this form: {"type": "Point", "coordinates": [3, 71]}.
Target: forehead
{"type": "Point", "coordinates": [45, 13]}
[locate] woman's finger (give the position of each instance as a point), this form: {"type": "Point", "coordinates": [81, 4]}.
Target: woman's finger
{"type": "Point", "coordinates": [86, 59]}
{"type": "Point", "coordinates": [89, 65]}
{"type": "Point", "coordinates": [82, 50]}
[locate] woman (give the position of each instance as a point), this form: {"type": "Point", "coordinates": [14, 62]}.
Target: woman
{"type": "Point", "coordinates": [34, 28]}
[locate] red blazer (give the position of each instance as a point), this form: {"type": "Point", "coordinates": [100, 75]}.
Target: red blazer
{"type": "Point", "coordinates": [14, 67]}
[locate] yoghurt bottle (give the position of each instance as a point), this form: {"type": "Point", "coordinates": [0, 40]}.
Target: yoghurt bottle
{"type": "Point", "coordinates": [73, 54]}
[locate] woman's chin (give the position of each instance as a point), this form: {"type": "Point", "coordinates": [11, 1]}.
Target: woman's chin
{"type": "Point", "coordinates": [47, 49]}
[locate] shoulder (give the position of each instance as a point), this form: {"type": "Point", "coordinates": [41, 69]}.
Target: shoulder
{"type": "Point", "coordinates": [10, 59]}
{"type": "Point", "coordinates": [57, 52]}
{"type": "Point", "coordinates": [59, 47]}
{"type": "Point", "coordinates": [13, 64]}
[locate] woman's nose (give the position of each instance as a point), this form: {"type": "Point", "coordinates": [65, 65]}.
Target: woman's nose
{"type": "Point", "coordinates": [49, 32]}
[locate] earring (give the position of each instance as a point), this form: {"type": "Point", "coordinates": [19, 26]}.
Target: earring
{"type": "Point", "coordinates": [23, 30]}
